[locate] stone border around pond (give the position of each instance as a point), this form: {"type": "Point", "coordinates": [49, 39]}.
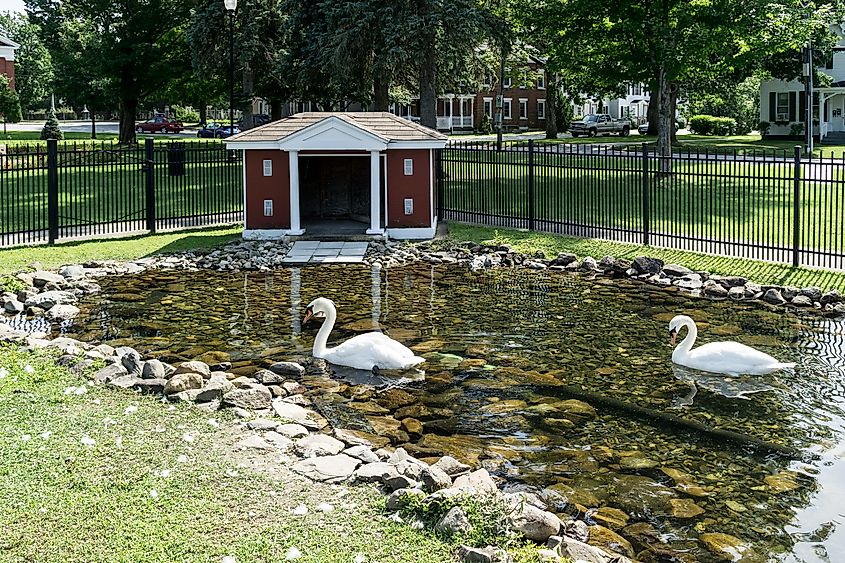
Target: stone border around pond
{"type": "Point", "coordinates": [274, 405]}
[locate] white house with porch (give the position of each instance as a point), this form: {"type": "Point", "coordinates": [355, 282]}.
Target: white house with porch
{"type": "Point", "coordinates": [783, 103]}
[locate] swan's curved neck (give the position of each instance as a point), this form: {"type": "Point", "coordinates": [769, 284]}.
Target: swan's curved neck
{"type": "Point", "coordinates": [686, 344]}
{"type": "Point", "coordinates": [322, 337]}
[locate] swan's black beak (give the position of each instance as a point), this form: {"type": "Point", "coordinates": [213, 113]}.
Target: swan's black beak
{"type": "Point", "coordinates": [309, 312]}
{"type": "Point", "coordinates": [673, 335]}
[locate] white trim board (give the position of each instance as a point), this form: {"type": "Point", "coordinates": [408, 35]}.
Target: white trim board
{"type": "Point", "coordinates": [408, 233]}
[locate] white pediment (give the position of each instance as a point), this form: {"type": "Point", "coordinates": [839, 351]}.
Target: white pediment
{"type": "Point", "coordinates": [333, 133]}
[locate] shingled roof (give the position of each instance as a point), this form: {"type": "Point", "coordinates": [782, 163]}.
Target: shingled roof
{"type": "Point", "coordinates": [386, 126]}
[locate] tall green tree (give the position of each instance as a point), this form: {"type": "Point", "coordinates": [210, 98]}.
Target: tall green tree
{"type": "Point", "coordinates": [33, 64]}
{"type": "Point", "coordinates": [10, 104]}
{"type": "Point", "coordinates": [134, 46]}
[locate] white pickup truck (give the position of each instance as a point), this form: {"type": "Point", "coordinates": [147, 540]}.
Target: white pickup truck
{"type": "Point", "coordinates": [593, 125]}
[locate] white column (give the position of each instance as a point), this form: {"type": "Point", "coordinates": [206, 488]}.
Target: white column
{"type": "Point", "coordinates": [295, 227]}
{"type": "Point", "coordinates": [461, 102]}
{"type": "Point", "coordinates": [375, 193]}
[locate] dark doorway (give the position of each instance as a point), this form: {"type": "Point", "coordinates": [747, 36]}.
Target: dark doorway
{"type": "Point", "coordinates": [335, 188]}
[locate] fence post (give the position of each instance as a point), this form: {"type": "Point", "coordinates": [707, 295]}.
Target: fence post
{"type": "Point", "coordinates": [646, 212]}
{"type": "Point", "coordinates": [796, 208]}
{"type": "Point", "coordinates": [530, 184]}
{"type": "Point", "coordinates": [150, 192]}
{"type": "Point", "coordinates": [52, 190]}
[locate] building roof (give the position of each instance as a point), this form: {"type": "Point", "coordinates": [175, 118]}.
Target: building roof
{"type": "Point", "coordinates": [6, 42]}
{"type": "Point", "coordinates": [385, 126]}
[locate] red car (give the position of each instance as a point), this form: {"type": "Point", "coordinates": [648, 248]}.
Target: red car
{"type": "Point", "coordinates": [159, 125]}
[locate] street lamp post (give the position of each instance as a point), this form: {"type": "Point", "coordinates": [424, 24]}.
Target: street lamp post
{"type": "Point", "coordinates": [808, 94]}
{"type": "Point", "coordinates": [231, 5]}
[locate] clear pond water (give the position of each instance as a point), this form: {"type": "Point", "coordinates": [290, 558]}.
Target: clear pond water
{"type": "Point", "coordinates": [519, 363]}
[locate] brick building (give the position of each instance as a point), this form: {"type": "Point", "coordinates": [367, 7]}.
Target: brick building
{"type": "Point", "coordinates": [7, 59]}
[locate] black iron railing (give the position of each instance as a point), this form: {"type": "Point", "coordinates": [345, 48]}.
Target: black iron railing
{"type": "Point", "coordinates": [81, 190]}
{"type": "Point", "coordinates": [769, 205]}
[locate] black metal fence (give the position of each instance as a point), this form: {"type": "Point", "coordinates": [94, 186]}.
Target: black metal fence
{"type": "Point", "coordinates": [767, 205]}
{"type": "Point", "coordinates": [80, 190]}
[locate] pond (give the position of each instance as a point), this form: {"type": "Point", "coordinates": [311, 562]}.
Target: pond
{"type": "Point", "coordinates": [519, 366]}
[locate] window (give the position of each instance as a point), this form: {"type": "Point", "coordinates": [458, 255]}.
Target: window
{"type": "Point", "coordinates": [508, 81]}
{"type": "Point", "coordinates": [488, 107]}
{"type": "Point", "coordinates": [541, 80]}
{"type": "Point", "coordinates": [523, 79]}
{"type": "Point", "coordinates": [523, 108]}
{"type": "Point", "coordinates": [506, 110]}
{"type": "Point", "coordinates": [488, 79]}
{"type": "Point", "coordinates": [541, 108]}
{"type": "Point", "coordinates": [268, 167]}
{"type": "Point", "coordinates": [783, 106]}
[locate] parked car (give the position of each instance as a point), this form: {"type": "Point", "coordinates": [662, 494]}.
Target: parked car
{"type": "Point", "coordinates": [207, 131]}
{"type": "Point", "coordinates": [643, 129]}
{"type": "Point", "coordinates": [225, 131]}
{"type": "Point", "coordinates": [593, 125]}
{"type": "Point", "coordinates": [159, 124]}
{"type": "Point", "coordinates": [261, 119]}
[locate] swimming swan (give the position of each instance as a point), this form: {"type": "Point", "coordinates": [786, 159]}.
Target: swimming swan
{"type": "Point", "coordinates": [731, 358]}
{"type": "Point", "coordinates": [364, 351]}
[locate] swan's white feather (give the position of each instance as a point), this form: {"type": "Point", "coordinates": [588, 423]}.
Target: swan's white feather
{"type": "Point", "coordinates": [731, 358]}
{"type": "Point", "coordinates": [372, 349]}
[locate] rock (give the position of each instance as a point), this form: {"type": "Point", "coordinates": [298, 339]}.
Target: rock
{"type": "Point", "coordinates": [613, 518]}
{"type": "Point", "coordinates": [376, 472]}
{"type": "Point", "coordinates": [315, 445]}
{"type": "Point", "coordinates": [40, 279]}
{"type": "Point", "coordinates": [254, 398]}
{"type": "Point", "coordinates": [151, 385]}
{"type": "Point", "coordinates": [400, 482]}
{"type": "Point", "coordinates": [50, 299]}
{"type": "Point", "coordinates": [646, 265]}
{"type": "Point", "coordinates": [262, 425]}
{"type": "Point", "coordinates": [580, 551]}
{"type": "Point", "coordinates": [125, 381]}
{"type": "Point", "coordinates": [588, 264]}
{"type": "Point", "coordinates": [132, 362]}
{"type": "Point", "coordinates": [469, 554]}
{"type": "Point", "coordinates": [813, 293]}
{"type": "Point", "coordinates": [331, 469]}
{"type": "Point", "coordinates": [394, 398]}
{"type": "Point", "coordinates": [400, 498]}
{"type": "Point", "coordinates": [187, 396]}
{"type": "Point", "coordinates": [109, 372]}
{"type": "Point", "coordinates": [576, 529]}
{"type": "Point", "coordinates": [831, 296]}
{"type": "Point", "coordinates": [737, 293]}
{"type": "Point", "coordinates": [153, 369]}
{"type": "Point", "coordinates": [729, 547]}
{"type": "Point", "coordinates": [282, 443]}
{"type": "Point", "coordinates": [72, 271]}
{"type": "Point", "coordinates": [563, 259]}
{"type": "Point", "coordinates": [752, 290]}
{"type": "Point", "coordinates": [434, 479]}
{"type": "Point", "coordinates": [364, 453]}
{"type": "Point", "coordinates": [253, 442]}
{"type": "Point", "coordinates": [287, 369]}
{"type": "Point", "coordinates": [684, 508]}
{"type": "Point", "coordinates": [412, 426]}
{"type": "Point", "coordinates": [713, 289]}
{"type": "Point", "coordinates": [454, 522]}
{"type": "Point", "coordinates": [292, 431]}
{"type": "Point", "coordinates": [215, 388]}
{"type": "Point", "coordinates": [676, 270]}
{"type": "Point", "coordinates": [773, 296]}
{"type": "Point", "coordinates": [299, 415]}
{"type": "Point", "coordinates": [194, 367]}
{"type": "Point", "coordinates": [691, 282]}
{"type": "Point", "coordinates": [62, 312]}
{"type": "Point", "coordinates": [182, 382]}
{"type": "Point", "coordinates": [241, 413]}
{"type": "Point", "coordinates": [802, 301]}
{"type": "Point", "coordinates": [13, 306]}
{"type": "Point", "coordinates": [268, 377]}
{"type": "Point", "coordinates": [782, 482]}
{"type": "Point", "coordinates": [789, 292]}
{"type": "Point", "coordinates": [478, 481]}
{"type": "Point", "coordinates": [606, 538]}
{"type": "Point", "coordinates": [293, 388]}
{"type": "Point", "coordinates": [451, 466]}
{"type": "Point", "coordinates": [535, 524]}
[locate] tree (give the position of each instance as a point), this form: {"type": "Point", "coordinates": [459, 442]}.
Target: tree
{"type": "Point", "coordinates": [10, 104]}
{"type": "Point", "coordinates": [133, 48]}
{"type": "Point", "coordinates": [33, 65]}
{"type": "Point", "coordinates": [51, 127]}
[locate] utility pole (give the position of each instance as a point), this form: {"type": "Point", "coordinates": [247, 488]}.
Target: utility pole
{"type": "Point", "coordinates": [500, 101]}
{"type": "Point", "coordinates": [808, 87]}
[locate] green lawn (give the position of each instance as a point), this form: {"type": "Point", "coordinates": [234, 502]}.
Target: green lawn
{"type": "Point", "coordinates": [108, 475]}
{"type": "Point", "coordinates": [717, 199]}
{"type": "Point", "coordinates": [33, 138]}
{"type": "Point", "coordinates": [51, 257]}
{"type": "Point", "coordinates": [551, 245]}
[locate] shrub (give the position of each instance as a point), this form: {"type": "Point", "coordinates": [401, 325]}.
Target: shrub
{"type": "Point", "coordinates": [184, 114]}
{"type": "Point", "coordinates": [796, 129]}
{"type": "Point", "coordinates": [51, 128]}
{"type": "Point", "coordinates": [486, 124]}
{"type": "Point", "coordinates": [764, 127]}
{"type": "Point", "coordinates": [11, 284]}
{"type": "Point", "coordinates": [709, 125]}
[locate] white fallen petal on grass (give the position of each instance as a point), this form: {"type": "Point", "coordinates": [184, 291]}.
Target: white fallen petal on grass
{"type": "Point", "coordinates": [154, 493]}
{"type": "Point", "coordinates": [118, 441]}
{"type": "Point", "coordinates": [359, 558]}
{"type": "Point", "coordinates": [46, 434]}
{"type": "Point", "coordinates": [293, 553]}
{"type": "Point", "coordinates": [87, 441]}
{"type": "Point", "coordinates": [81, 390]}
{"type": "Point", "coordinates": [26, 438]}
{"type": "Point", "coordinates": [300, 510]}
{"type": "Point", "coordinates": [130, 409]}
{"type": "Point", "coordinates": [325, 507]}
{"type": "Point", "coordinates": [214, 423]}
{"type": "Point", "coordinates": [395, 518]}
{"type": "Point", "coordinates": [29, 369]}
{"type": "Point", "coordinates": [231, 473]}
{"type": "Point", "coordinates": [171, 408]}
{"type": "Point", "coordinates": [109, 420]}
{"type": "Point", "coordinates": [164, 473]}
{"type": "Point", "coordinates": [42, 510]}
{"type": "Point", "coordinates": [96, 401]}
{"type": "Point", "coordinates": [182, 459]}
{"type": "Point", "coordinates": [4, 373]}
{"type": "Point", "coordinates": [180, 426]}
{"type": "Point", "coordinates": [228, 559]}
{"type": "Point", "coordinates": [188, 437]}
{"type": "Point", "coordinates": [159, 429]}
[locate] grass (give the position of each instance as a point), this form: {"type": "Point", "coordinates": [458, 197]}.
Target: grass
{"type": "Point", "coordinates": [15, 259]}
{"type": "Point", "coordinates": [551, 245]}
{"type": "Point", "coordinates": [62, 500]}
{"type": "Point", "coordinates": [715, 199]}
{"type": "Point", "coordinates": [34, 138]}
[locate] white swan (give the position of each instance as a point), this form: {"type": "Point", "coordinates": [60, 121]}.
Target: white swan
{"type": "Point", "coordinates": [364, 351]}
{"type": "Point", "coordinates": [731, 358]}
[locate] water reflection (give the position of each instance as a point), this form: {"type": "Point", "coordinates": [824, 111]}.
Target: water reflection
{"type": "Point", "coordinates": [505, 350]}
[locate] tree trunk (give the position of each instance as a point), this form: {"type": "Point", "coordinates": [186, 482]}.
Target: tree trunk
{"type": "Point", "coordinates": [673, 109]}
{"type": "Point", "coordinates": [203, 112]}
{"type": "Point", "coordinates": [428, 71]}
{"type": "Point", "coordinates": [551, 108]}
{"type": "Point", "coordinates": [128, 110]}
{"type": "Point", "coordinates": [93, 123]}
{"type": "Point", "coordinates": [665, 124]}
{"type": "Point", "coordinates": [247, 120]}
{"type": "Point", "coordinates": [381, 94]}
{"type": "Point", "coordinates": [651, 112]}
{"type": "Point", "coordinates": [275, 109]}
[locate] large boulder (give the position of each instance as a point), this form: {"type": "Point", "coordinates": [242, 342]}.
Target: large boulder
{"type": "Point", "coordinates": [215, 388]}
{"type": "Point", "coordinates": [62, 312]}
{"type": "Point", "coordinates": [535, 524]}
{"type": "Point", "coordinates": [50, 299]}
{"type": "Point", "coordinates": [315, 445]}
{"type": "Point", "coordinates": [153, 369]}
{"type": "Point", "coordinates": [109, 372]}
{"type": "Point", "coordinates": [451, 466]}
{"type": "Point", "coordinates": [331, 469]}
{"type": "Point", "coordinates": [454, 522]}
{"type": "Point", "coordinates": [182, 382]}
{"type": "Point", "coordinates": [255, 398]}
{"type": "Point", "coordinates": [290, 412]}
{"type": "Point", "coordinates": [377, 472]}
{"type": "Point", "coordinates": [435, 479]}
{"type": "Point", "coordinates": [287, 369]}
{"type": "Point", "coordinates": [478, 481]}
{"type": "Point", "coordinates": [646, 265]}
{"type": "Point", "coordinates": [40, 279]}
{"type": "Point", "coordinates": [194, 367]}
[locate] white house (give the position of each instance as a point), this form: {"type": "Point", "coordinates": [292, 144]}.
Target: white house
{"type": "Point", "coordinates": [633, 104]}
{"type": "Point", "coordinates": [783, 104]}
